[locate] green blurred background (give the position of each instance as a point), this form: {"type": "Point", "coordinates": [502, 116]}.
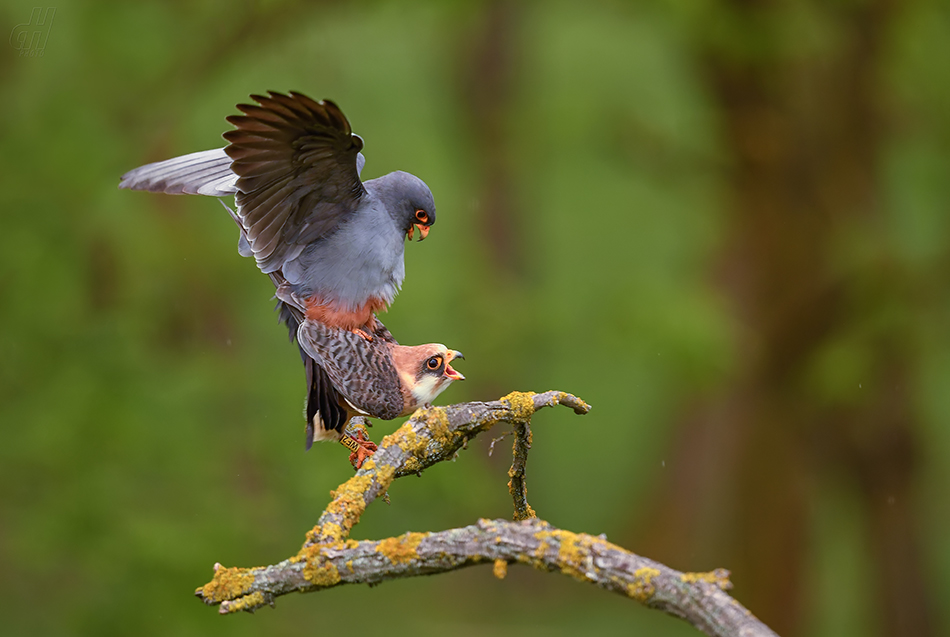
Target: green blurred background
{"type": "Point", "coordinates": [724, 224]}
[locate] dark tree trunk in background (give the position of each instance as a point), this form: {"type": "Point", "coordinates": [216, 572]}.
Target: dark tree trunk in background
{"type": "Point", "coordinates": [488, 76]}
{"type": "Point", "coordinates": [804, 130]}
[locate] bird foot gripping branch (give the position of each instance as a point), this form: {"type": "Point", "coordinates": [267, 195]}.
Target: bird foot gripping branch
{"type": "Point", "coordinates": [360, 446]}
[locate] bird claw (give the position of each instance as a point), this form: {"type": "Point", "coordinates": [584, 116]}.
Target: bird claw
{"type": "Point", "coordinates": [366, 336]}
{"type": "Point", "coordinates": [361, 446]}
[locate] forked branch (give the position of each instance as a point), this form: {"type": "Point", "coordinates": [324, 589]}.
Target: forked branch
{"type": "Point", "coordinates": [329, 558]}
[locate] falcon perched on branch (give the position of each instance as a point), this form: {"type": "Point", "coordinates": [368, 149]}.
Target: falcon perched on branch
{"type": "Point", "coordinates": [332, 244]}
{"type": "Point", "coordinates": [378, 377]}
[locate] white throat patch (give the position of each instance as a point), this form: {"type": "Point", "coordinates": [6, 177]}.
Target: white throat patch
{"type": "Point", "coordinates": [429, 388]}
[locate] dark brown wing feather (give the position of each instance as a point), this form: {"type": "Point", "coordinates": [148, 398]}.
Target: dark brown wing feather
{"type": "Point", "coordinates": [322, 397]}
{"type": "Point", "coordinates": [297, 176]}
{"type": "Point", "coordinates": [361, 370]}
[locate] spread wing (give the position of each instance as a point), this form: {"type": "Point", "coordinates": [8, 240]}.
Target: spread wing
{"type": "Point", "coordinates": [361, 370]}
{"type": "Point", "coordinates": [298, 178]}
{"type": "Point", "coordinates": [207, 172]}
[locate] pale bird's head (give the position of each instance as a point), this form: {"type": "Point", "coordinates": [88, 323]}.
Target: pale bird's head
{"type": "Point", "coordinates": [426, 370]}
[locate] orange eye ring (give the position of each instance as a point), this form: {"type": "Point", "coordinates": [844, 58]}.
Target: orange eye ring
{"type": "Point", "coordinates": [422, 216]}
{"type": "Point", "coordinates": [434, 363]}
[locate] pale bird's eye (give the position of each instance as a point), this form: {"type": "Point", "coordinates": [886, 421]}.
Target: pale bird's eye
{"type": "Point", "coordinates": [434, 362]}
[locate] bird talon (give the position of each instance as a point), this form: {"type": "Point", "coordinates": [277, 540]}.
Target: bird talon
{"type": "Point", "coordinates": [361, 446]}
{"type": "Point", "coordinates": [366, 336]}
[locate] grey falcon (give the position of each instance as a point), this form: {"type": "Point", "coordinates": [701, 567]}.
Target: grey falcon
{"type": "Point", "coordinates": [332, 243]}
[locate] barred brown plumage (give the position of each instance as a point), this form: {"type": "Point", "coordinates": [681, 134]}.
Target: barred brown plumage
{"type": "Point", "coordinates": [379, 377]}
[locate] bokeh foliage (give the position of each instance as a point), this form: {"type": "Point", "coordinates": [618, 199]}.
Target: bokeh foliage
{"type": "Point", "coordinates": [151, 407]}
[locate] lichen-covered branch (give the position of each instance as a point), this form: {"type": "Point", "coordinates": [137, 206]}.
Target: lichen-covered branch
{"type": "Point", "coordinates": [429, 436]}
{"type": "Point", "coordinates": [699, 598]}
{"type": "Point", "coordinates": [519, 460]}
{"type": "Point", "coordinates": [329, 558]}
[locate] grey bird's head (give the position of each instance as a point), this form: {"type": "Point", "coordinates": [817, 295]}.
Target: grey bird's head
{"type": "Point", "coordinates": [410, 203]}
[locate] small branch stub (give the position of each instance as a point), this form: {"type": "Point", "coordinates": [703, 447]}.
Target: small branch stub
{"type": "Point", "coordinates": [517, 486]}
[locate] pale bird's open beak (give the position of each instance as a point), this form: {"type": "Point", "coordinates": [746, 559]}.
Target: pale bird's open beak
{"type": "Point", "coordinates": [449, 372]}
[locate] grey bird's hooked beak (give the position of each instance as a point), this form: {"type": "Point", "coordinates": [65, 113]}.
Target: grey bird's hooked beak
{"type": "Point", "coordinates": [423, 231]}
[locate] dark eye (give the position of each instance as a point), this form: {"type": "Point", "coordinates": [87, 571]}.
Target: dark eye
{"type": "Point", "coordinates": [434, 363]}
{"type": "Point", "coordinates": [422, 216]}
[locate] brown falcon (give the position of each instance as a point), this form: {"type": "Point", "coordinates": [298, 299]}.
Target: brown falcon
{"type": "Point", "coordinates": [377, 377]}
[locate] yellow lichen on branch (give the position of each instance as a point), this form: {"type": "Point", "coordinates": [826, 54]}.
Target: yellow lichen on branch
{"type": "Point", "coordinates": [719, 577]}
{"type": "Point", "coordinates": [227, 583]}
{"type": "Point", "coordinates": [573, 551]}
{"type": "Point", "coordinates": [500, 569]}
{"type": "Point", "coordinates": [404, 438]}
{"type": "Point", "coordinates": [521, 404]}
{"type": "Point", "coordinates": [528, 512]}
{"type": "Point", "coordinates": [642, 589]}
{"type": "Point", "coordinates": [437, 422]}
{"type": "Point", "coordinates": [347, 506]}
{"type": "Point", "coordinates": [248, 602]}
{"type": "Point", "coordinates": [541, 550]}
{"type": "Point", "coordinates": [402, 549]}
{"type": "Point", "coordinates": [329, 532]}
{"type": "Point", "coordinates": [320, 574]}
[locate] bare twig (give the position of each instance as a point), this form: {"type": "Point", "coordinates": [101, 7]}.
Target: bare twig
{"type": "Point", "coordinates": [329, 558]}
{"type": "Point", "coordinates": [491, 446]}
